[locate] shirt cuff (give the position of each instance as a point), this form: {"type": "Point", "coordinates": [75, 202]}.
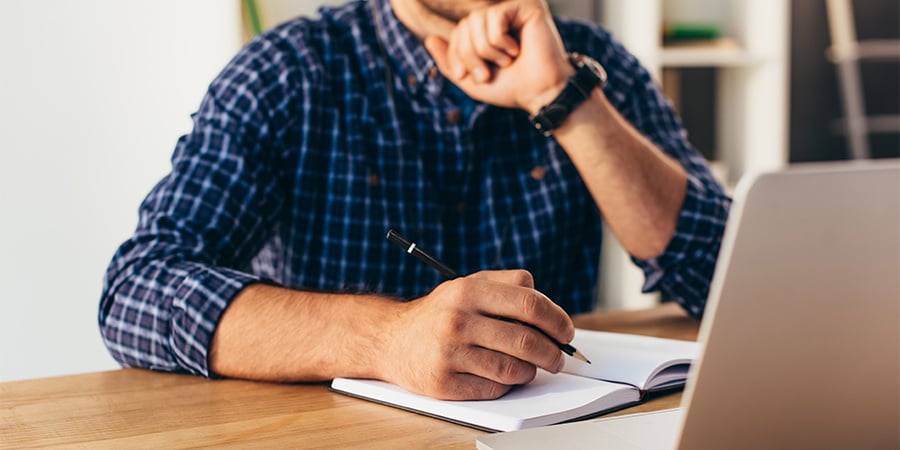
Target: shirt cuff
{"type": "Point", "coordinates": [198, 304]}
{"type": "Point", "coordinates": [685, 268]}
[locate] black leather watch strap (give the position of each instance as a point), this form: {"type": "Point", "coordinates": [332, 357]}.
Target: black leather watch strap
{"type": "Point", "coordinates": [588, 75]}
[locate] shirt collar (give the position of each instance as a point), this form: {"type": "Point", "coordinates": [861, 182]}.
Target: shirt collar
{"type": "Point", "coordinates": [403, 47]}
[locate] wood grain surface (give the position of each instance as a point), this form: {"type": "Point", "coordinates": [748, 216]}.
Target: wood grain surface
{"type": "Point", "coordinates": [133, 408]}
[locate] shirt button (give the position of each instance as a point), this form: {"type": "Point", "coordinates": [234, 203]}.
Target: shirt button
{"type": "Point", "coordinates": [461, 208]}
{"type": "Point", "coordinates": [538, 172]}
{"type": "Point", "coordinates": [433, 72]}
{"type": "Point", "coordinates": [373, 180]}
{"type": "Point", "coordinates": [454, 117]}
{"type": "Point", "coordinates": [413, 82]}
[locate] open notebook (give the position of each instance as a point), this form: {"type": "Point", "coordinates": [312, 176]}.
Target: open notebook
{"type": "Point", "coordinates": [625, 367]}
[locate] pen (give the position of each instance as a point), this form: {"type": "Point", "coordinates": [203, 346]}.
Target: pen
{"type": "Point", "coordinates": [411, 248]}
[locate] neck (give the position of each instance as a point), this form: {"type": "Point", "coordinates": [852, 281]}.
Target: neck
{"type": "Point", "coordinates": [420, 20]}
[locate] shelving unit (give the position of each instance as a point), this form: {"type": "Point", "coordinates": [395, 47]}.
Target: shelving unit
{"type": "Point", "coordinates": [751, 95]}
{"type": "Point", "coordinates": [752, 79]}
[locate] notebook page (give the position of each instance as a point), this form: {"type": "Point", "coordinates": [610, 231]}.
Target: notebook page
{"type": "Point", "coordinates": [627, 358]}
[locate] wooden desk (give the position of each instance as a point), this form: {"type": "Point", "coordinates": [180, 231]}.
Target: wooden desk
{"type": "Point", "coordinates": [136, 408]}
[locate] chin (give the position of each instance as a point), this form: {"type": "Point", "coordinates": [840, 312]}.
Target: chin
{"type": "Point", "coordinates": [456, 10]}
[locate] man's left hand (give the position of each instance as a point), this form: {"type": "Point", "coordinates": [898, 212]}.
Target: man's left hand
{"type": "Point", "coordinates": [508, 54]}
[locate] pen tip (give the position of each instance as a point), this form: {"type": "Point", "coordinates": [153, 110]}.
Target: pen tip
{"type": "Point", "coordinates": [580, 356]}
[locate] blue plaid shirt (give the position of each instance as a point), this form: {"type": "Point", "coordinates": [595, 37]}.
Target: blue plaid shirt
{"type": "Point", "coordinates": [324, 133]}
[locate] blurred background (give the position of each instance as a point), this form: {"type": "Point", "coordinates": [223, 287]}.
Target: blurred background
{"type": "Point", "coordinates": [95, 93]}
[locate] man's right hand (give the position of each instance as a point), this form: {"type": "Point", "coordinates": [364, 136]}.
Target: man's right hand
{"type": "Point", "coordinates": [452, 344]}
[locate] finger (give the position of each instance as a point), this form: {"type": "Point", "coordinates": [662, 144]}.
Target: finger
{"type": "Point", "coordinates": [439, 49]}
{"type": "Point", "coordinates": [516, 341]}
{"type": "Point", "coordinates": [440, 52]}
{"type": "Point", "coordinates": [465, 51]}
{"type": "Point", "coordinates": [445, 57]}
{"type": "Point", "coordinates": [495, 366]}
{"type": "Point", "coordinates": [498, 33]}
{"type": "Point", "coordinates": [458, 68]}
{"type": "Point", "coordinates": [481, 42]}
{"type": "Point", "coordinates": [516, 277]}
{"type": "Point", "coordinates": [464, 386]}
{"type": "Point", "coordinates": [501, 299]}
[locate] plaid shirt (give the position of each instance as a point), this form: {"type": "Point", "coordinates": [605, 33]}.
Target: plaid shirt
{"type": "Point", "coordinates": [324, 133]}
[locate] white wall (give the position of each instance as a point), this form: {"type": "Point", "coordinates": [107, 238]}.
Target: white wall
{"type": "Point", "coordinates": [93, 95]}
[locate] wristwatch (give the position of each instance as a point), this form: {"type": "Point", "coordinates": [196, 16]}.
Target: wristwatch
{"type": "Point", "coordinates": [589, 74]}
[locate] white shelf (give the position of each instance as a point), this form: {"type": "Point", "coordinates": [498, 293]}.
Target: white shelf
{"type": "Point", "coordinates": [707, 57]}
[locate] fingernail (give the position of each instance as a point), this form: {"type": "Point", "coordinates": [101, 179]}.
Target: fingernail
{"type": "Point", "coordinates": [504, 61]}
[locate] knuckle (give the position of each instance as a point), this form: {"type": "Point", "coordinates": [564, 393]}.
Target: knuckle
{"type": "Point", "coordinates": [514, 371]}
{"type": "Point", "coordinates": [482, 274]}
{"type": "Point", "coordinates": [441, 362]}
{"type": "Point", "coordinates": [523, 277]}
{"type": "Point", "coordinates": [455, 290]}
{"type": "Point", "coordinates": [444, 384]}
{"type": "Point", "coordinates": [526, 344]}
{"type": "Point", "coordinates": [463, 291]}
{"type": "Point", "coordinates": [508, 371]}
{"type": "Point", "coordinates": [528, 302]}
{"type": "Point", "coordinates": [495, 390]}
{"type": "Point", "coordinates": [483, 48]}
{"type": "Point", "coordinates": [447, 327]}
{"type": "Point", "coordinates": [455, 324]}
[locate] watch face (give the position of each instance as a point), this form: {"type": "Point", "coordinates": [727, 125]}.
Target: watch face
{"type": "Point", "coordinates": [594, 66]}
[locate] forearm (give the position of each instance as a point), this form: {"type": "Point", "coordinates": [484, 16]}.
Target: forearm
{"type": "Point", "coordinates": [277, 334]}
{"type": "Point", "coordinates": [639, 189]}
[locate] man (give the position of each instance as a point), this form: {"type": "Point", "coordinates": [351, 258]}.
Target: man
{"type": "Point", "coordinates": [262, 255]}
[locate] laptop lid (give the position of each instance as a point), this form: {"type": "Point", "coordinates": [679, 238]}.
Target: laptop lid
{"type": "Point", "coordinates": [802, 330]}
{"type": "Point", "coordinates": [803, 346]}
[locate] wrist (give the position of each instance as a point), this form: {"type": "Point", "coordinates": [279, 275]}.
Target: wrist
{"type": "Point", "coordinates": [550, 93]}
{"type": "Point", "coordinates": [389, 345]}
{"type": "Point", "coordinates": [587, 76]}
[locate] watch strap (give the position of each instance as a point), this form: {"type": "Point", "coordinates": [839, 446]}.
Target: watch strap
{"type": "Point", "coordinates": [588, 75]}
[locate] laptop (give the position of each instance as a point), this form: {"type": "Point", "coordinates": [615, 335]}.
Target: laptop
{"type": "Point", "coordinates": [801, 338]}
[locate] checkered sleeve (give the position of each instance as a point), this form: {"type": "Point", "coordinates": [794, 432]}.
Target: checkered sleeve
{"type": "Point", "coordinates": [198, 229]}
{"type": "Point", "coordinates": [684, 271]}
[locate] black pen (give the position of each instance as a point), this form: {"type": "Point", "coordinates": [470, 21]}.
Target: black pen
{"type": "Point", "coordinates": [411, 248]}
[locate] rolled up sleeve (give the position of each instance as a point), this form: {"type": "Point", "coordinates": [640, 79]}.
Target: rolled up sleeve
{"type": "Point", "coordinates": [200, 227]}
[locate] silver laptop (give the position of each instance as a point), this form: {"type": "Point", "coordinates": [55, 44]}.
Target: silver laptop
{"type": "Point", "coordinates": [802, 330]}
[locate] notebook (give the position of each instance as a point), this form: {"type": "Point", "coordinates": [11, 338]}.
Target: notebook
{"type": "Point", "coordinates": [801, 341]}
{"type": "Point", "coordinates": [624, 369]}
